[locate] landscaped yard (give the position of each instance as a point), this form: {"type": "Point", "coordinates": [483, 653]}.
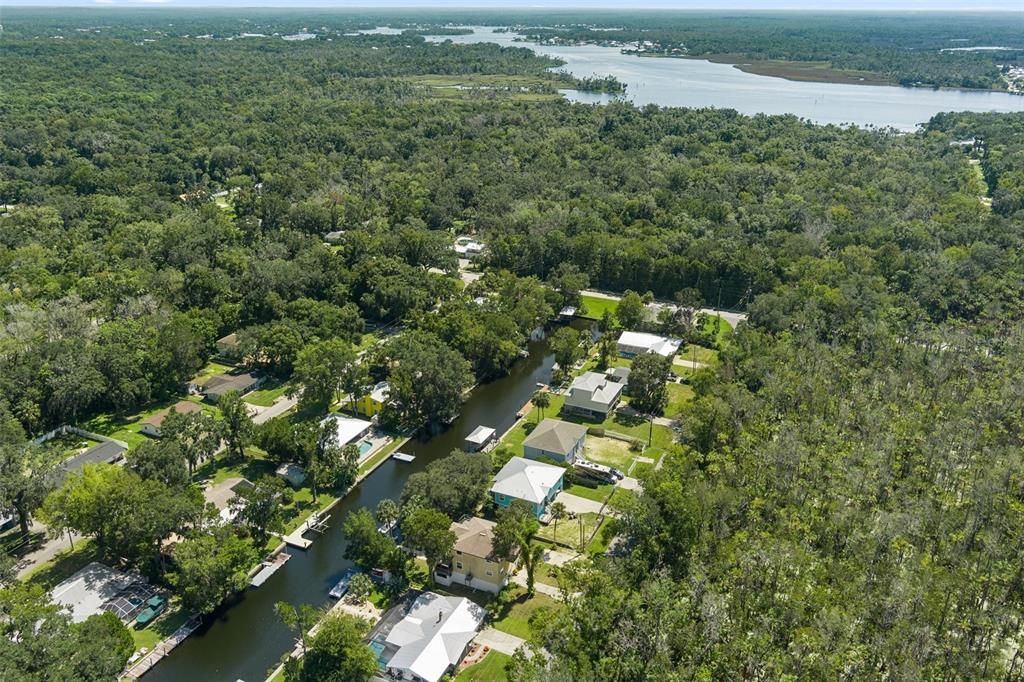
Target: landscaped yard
{"type": "Point", "coordinates": [678, 396]}
{"type": "Point", "coordinates": [212, 369]}
{"type": "Point", "coordinates": [695, 353]}
{"type": "Point", "coordinates": [569, 530]}
{"type": "Point", "coordinates": [160, 629]}
{"type": "Point", "coordinates": [598, 494]}
{"type": "Point", "coordinates": [490, 669]}
{"type": "Point", "coordinates": [513, 617]}
{"type": "Point", "coordinates": [126, 428]}
{"type": "Point", "coordinates": [595, 306]}
{"type": "Point", "coordinates": [265, 397]}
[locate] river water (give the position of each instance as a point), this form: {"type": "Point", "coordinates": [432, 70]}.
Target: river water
{"type": "Point", "coordinates": [699, 83]}
{"type": "Point", "coordinates": [246, 640]}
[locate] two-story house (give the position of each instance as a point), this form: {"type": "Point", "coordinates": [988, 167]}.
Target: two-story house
{"type": "Point", "coordinates": [473, 562]}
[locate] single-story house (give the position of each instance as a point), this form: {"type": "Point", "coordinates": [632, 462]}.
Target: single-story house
{"type": "Point", "coordinates": [373, 402]}
{"type": "Point", "coordinates": [151, 425]}
{"type": "Point", "coordinates": [242, 382]}
{"type": "Point", "coordinates": [335, 236]}
{"type": "Point", "coordinates": [226, 345]}
{"type": "Point", "coordinates": [555, 439]}
{"type": "Point", "coordinates": [221, 494]}
{"type": "Point", "coordinates": [631, 344]}
{"type": "Point", "coordinates": [432, 639]}
{"type": "Point", "coordinates": [467, 247]}
{"type": "Point", "coordinates": [478, 439]}
{"type": "Point", "coordinates": [591, 394]}
{"type": "Point", "coordinates": [349, 429]}
{"type": "Point", "coordinates": [103, 453]}
{"type": "Point", "coordinates": [524, 479]}
{"type": "Point", "coordinates": [473, 562]}
{"type": "Point", "coordinates": [87, 592]}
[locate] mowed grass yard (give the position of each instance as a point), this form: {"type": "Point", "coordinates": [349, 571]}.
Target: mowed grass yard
{"type": "Point", "coordinates": [568, 532]}
{"type": "Point", "coordinates": [126, 427]}
{"type": "Point", "coordinates": [596, 306]}
{"type": "Point", "coordinates": [490, 669]}
{"type": "Point", "coordinates": [609, 451]}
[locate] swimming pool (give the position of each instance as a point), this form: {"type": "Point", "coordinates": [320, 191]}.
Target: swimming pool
{"type": "Point", "coordinates": [365, 446]}
{"type": "Point", "coordinates": [377, 647]}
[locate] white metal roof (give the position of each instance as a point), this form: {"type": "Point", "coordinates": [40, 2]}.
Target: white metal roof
{"type": "Point", "coordinates": [480, 435]}
{"type": "Point", "coordinates": [434, 634]}
{"type": "Point", "coordinates": [526, 479]}
{"type": "Point", "coordinates": [348, 428]}
{"type": "Point", "coordinates": [650, 342]}
{"type": "Point", "coordinates": [89, 589]}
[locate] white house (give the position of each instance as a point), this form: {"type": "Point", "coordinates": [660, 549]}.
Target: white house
{"type": "Point", "coordinates": [433, 637]}
{"type": "Point", "coordinates": [347, 428]}
{"type": "Point", "coordinates": [634, 343]}
{"type": "Point", "coordinates": [467, 247]}
{"type": "Point", "coordinates": [591, 394]}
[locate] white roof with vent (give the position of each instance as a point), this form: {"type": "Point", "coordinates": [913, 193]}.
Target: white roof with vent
{"type": "Point", "coordinates": [527, 479]}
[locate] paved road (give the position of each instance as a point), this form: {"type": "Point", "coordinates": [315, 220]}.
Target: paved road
{"type": "Point", "coordinates": [48, 550]}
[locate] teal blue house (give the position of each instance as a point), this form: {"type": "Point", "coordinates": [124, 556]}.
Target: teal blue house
{"type": "Point", "coordinates": [534, 482]}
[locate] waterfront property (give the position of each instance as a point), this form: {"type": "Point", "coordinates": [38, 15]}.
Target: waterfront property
{"type": "Point", "coordinates": [152, 424]}
{"type": "Point", "coordinates": [430, 640]}
{"type": "Point", "coordinates": [473, 562]}
{"type": "Point", "coordinates": [348, 429]}
{"type": "Point", "coordinates": [98, 588]}
{"type": "Point", "coordinates": [631, 344]}
{"type": "Point", "coordinates": [242, 382]}
{"type": "Point", "coordinates": [373, 402]}
{"type": "Point", "coordinates": [556, 440]}
{"type": "Point", "coordinates": [592, 395]}
{"type": "Point", "coordinates": [524, 479]}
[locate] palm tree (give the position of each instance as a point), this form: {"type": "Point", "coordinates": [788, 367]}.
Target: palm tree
{"type": "Point", "coordinates": [558, 511]}
{"type": "Point", "coordinates": [387, 514]}
{"type": "Point", "coordinates": [529, 558]}
{"type": "Point", "coordinates": [541, 400]}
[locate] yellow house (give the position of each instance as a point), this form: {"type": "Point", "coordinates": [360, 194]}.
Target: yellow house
{"type": "Point", "coordinates": [373, 402]}
{"type": "Point", "coordinates": [473, 562]}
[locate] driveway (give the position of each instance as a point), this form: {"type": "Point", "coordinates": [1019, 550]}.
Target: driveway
{"type": "Point", "coordinates": [579, 505]}
{"type": "Point", "coordinates": [500, 641]}
{"type": "Point", "coordinates": [280, 406]}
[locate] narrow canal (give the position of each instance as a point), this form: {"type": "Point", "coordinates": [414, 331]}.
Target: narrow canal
{"type": "Point", "coordinates": [246, 640]}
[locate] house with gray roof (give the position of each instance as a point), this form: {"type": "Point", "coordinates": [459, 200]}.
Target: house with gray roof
{"type": "Point", "coordinates": [556, 440]}
{"type": "Point", "coordinates": [242, 382]}
{"type": "Point", "coordinates": [592, 395]}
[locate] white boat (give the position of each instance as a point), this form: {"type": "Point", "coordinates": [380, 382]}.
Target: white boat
{"type": "Point", "coordinates": [339, 590]}
{"type": "Point", "coordinates": [402, 457]}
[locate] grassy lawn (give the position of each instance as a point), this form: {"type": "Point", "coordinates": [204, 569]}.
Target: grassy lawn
{"type": "Point", "coordinates": [212, 369]}
{"type": "Point", "coordinates": [699, 354]}
{"type": "Point", "coordinates": [380, 455]}
{"type": "Point", "coordinates": [490, 669]}
{"type": "Point", "coordinates": [595, 306]}
{"type": "Point", "coordinates": [513, 616]}
{"type": "Point", "coordinates": [678, 396]}
{"type": "Point", "coordinates": [63, 565]}
{"type": "Point", "coordinates": [569, 530]}
{"type": "Point", "coordinates": [608, 451]}
{"type": "Point", "coordinates": [599, 544]}
{"type": "Point", "coordinates": [724, 328]}
{"type": "Point", "coordinates": [265, 397]}
{"type": "Point", "coordinates": [598, 494]}
{"type": "Point", "coordinates": [160, 629]}
{"type": "Point", "coordinates": [547, 574]}
{"type": "Point", "coordinates": [126, 427]}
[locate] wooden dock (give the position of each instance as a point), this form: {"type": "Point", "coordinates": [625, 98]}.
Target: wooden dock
{"type": "Point", "coordinates": [269, 568]}
{"type": "Point", "coordinates": [146, 663]}
{"type": "Point", "coordinates": [315, 523]}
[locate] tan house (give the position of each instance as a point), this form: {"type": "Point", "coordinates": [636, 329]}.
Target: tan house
{"type": "Point", "coordinates": [151, 426]}
{"type": "Point", "coordinates": [473, 562]}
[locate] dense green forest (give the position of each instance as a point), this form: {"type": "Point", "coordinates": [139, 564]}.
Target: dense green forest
{"type": "Point", "coordinates": [846, 497]}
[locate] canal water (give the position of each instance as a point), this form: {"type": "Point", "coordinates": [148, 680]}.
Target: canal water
{"type": "Point", "coordinates": [246, 640]}
{"type": "Point", "coordinates": [699, 83]}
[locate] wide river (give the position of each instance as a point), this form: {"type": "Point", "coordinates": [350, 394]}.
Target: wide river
{"type": "Point", "coordinates": [246, 640]}
{"type": "Point", "coordinates": [700, 83]}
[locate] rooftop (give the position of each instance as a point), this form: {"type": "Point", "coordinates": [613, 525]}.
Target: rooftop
{"type": "Point", "coordinates": [348, 428]}
{"type": "Point", "coordinates": [474, 536]}
{"type": "Point", "coordinates": [434, 634]}
{"type": "Point", "coordinates": [651, 343]}
{"type": "Point", "coordinates": [526, 479]}
{"type": "Point", "coordinates": [225, 383]}
{"type": "Point", "coordinates": [182, 407]}
{"type": "Point", "coordinates": [107, 451]}
{"type": "Point", "coordinates": [554, 435]}
{"type": "Point", "coordinates": [480, 435]}
{"type": "Point", "coordinates": [597, 385]}
{"type": "Point", "coordinates": [89, 589]}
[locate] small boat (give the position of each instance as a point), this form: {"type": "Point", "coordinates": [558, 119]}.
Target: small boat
{"type": "Point", "coordinates": [402, 457]}
{"type": "Point", "coordinates": [339, 590]}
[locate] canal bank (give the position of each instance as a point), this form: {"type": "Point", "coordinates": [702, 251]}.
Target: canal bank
{"type": "Point", "coordinates": [246, 640]}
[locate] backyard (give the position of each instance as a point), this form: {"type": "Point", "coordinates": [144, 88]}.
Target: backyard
{"type": "Point", "coordinates": [126, 427]}
{"type": "Point", "coordinates": [569, 530]}
{"type": "Point", "coordinates": [490, 669]}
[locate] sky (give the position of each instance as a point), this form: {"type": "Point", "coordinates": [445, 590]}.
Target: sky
{"type": "Point", "coordinates": [923, 5]}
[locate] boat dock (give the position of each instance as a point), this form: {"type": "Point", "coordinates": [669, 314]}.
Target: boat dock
{"type": "Point", "coordinates": [315, 523]}
{"type": "Point", "coordinates": [146, 663]}
{"type": "Point", "coordinates": [402, 457]}
{"type": "Point", "coordinates": [269, 568]}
